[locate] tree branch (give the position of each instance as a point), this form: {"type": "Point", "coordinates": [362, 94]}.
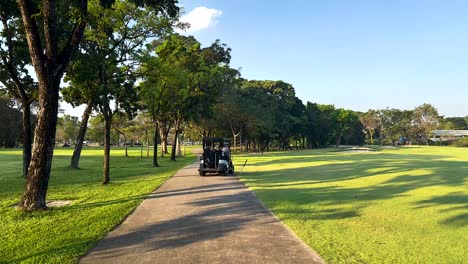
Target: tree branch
{"type": "Point", "coordinates": [28, 10]}
{"type": "Point", "coordinates": [75, 37]}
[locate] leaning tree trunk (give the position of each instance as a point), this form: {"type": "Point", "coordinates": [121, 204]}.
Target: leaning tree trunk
{"type": "Point", "coordinates": [107, 132]}
{"type": "Point", "coordinates": [155, 149]}
{"type": "Point", "coordinates": [75, 160]}
{"type": "Point", "coordinates": [27, 137]}
{"type": "Point", "coordinates": [37, 181]}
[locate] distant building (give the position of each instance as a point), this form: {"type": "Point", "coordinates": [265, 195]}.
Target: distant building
{"type": "Point", "coordinates": [448, 135]}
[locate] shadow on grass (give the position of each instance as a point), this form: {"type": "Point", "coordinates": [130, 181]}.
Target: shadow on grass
{"type": "Point", "coordinates": [345, 156]}
{"type": "Point", "coordinates": [458, 202]}
{"type": "Point", "coordinates": [411, 172]}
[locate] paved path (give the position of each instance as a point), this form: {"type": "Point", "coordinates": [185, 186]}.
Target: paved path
{"type": "Point", "coordinates": [193, 219]}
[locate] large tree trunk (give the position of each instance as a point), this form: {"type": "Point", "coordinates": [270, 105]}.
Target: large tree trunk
{"type": "Point", "coordinates": [107, 132]}
{"type": "Point", "coordinates": [27, 137]}
{"type": "Point", "coordinates": [37, 181]}
{"type": "Point", "coordinates": [155, 149]}
{"type": "Point", "coordinates": [75, 160]}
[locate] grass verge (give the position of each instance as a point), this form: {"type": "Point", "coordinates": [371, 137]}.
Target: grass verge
{"type": "Point", "coordinates": [63, 234]}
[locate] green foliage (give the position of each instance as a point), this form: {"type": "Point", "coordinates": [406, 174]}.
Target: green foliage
{"type": "Point", "coordinates": [61, 235]}
{"type": "Point", "coordinates": [67, 128]}
{"type": "Point", "coordinates": [326, 125]}
{"type": "Point", "coordinates": [95, 131]}
{"type": "Point", "coordinates": [372, 123]}
{"type": "Point", "coordinates": [457, 123]}
{"type": "Point", "coordinates": [402, 205]}
{"type": "Point", "coordinates": [461, 143]}
{"type": "Point", "coordinates": [396, 124]}
{"type": "Point", "coordinates": [168, 7]}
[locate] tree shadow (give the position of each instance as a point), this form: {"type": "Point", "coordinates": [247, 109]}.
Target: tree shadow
{"type": "Point", "coordinates": [305, 185]}
{"type": "Point", "coordinates": [219, 216]}
{"type": "Point", "coordinates": [156, 195]}
{"type": "Point", "coordinates": [457, 202]}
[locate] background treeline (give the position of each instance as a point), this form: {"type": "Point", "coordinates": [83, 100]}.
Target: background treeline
{"type": "Point", "coordinates": [256, 120]}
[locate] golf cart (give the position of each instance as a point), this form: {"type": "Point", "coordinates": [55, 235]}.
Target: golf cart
{"type": "Point", "coordinates": [216, 157]}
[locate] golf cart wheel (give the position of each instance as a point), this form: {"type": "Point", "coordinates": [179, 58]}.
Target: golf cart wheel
{"type": "Point", "coordinates": [200, 170]}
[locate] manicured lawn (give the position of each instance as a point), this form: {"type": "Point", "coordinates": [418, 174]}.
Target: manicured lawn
{"type": "Point", "coordinates": [61, 235]}
{"type": "Point", "coordinates": [407, 205]}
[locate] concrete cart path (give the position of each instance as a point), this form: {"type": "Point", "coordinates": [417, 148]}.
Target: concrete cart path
{"type": "Point", "coordinates": [193, 219]}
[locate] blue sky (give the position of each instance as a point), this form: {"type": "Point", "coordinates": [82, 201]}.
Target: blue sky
{"type": "Point", "coordinates": [357, 54]}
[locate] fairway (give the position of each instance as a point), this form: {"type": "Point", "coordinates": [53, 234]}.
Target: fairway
{"type": "Point", "coordinates": [61, 235]}
{"type": "Point", "coordinates": [406, 205]}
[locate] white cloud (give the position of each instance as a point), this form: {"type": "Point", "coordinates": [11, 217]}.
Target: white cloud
{"type": "Point", "coordinates": [201, 18]}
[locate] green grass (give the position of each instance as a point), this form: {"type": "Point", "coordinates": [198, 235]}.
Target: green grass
{"type": "Point", "coordinates": [61, 235]}
{"type": "Point", "coordinates": [407, 205]}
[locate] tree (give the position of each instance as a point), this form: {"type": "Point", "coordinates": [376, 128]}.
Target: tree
{"type": "Point", "coordinates": [396, 124]}
{"type": "Point", "coordinates": [14, 76]}
{"type": "Point", "coordinates": [288, 110]}
{"type": "Point", "coordinates": [371, 122]}
{"type": "Point", "coordinates": [51, 45]}
{"type": "Point", "coordinates": [196, 79]}
{"type": "Point", "coordinates": [425, 119]}
{"type": "Point", "coordinates": [321, 124]}
{"type": "Point", "coordinates": [344, 119]}
{"type": "Point", "coordinates": [152, 92]}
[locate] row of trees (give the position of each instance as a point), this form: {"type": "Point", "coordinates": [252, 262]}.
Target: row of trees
{"type": "Point", "coordinates": [262, 115]}
{"type": "Point", "coordinates": [394, 126]}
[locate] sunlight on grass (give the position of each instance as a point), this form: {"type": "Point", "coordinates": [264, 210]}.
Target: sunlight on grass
{"type": "Point", "coordinates": [61, 235]}
{"type": "Point", "coordinates": [406, 205]}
